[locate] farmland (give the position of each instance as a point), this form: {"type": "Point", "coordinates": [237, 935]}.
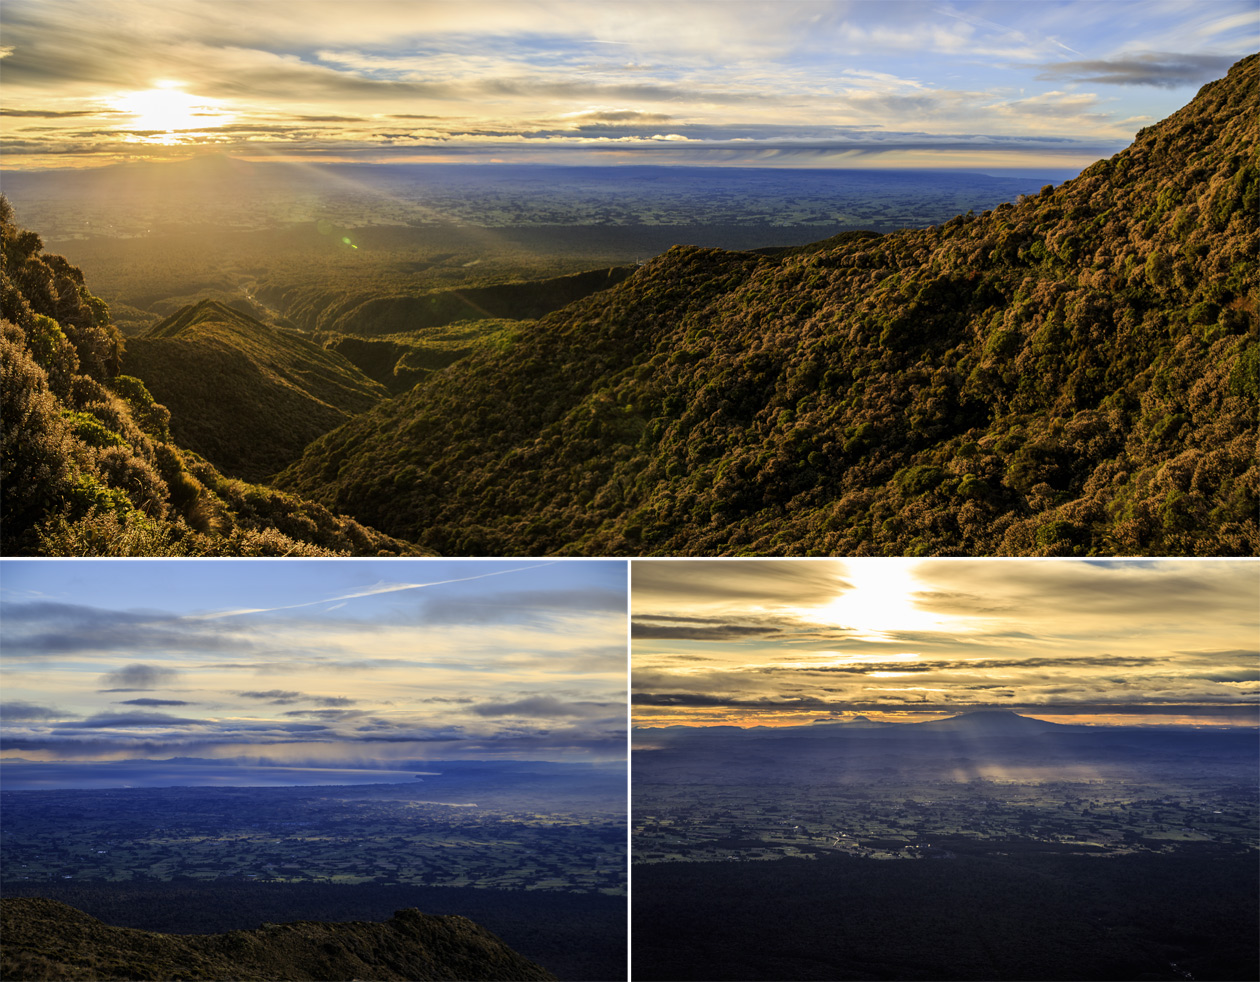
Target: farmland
{"type": "Point", "coordinates": [383, 834]}
{"type": "Point", "coordinates": [896, 820]}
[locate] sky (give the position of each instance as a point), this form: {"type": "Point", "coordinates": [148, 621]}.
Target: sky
{"type": "Point", "coordinates": [775, 643]}
{"type": "Point", "coordinates": [336, 663]}
{"type": "Point", "coordinates": [871, 83]}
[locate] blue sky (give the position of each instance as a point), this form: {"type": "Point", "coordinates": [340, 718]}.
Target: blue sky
{"type": "Point", "coordinates": [340, 663]}
{"type": "Point", "coordinates": [890, 83]}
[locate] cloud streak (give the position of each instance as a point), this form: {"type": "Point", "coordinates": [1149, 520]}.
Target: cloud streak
{"type": "Point", "coordinates": [417, 658]}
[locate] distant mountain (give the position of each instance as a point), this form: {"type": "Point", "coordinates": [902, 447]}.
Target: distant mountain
{"type": "Point", "coordinates": [1075, 373]}
{"type": "Point", "coordinates": [992, 723]}
{"type": "Point", "coordinates": [246, 396]}
{"type": "Point", "coordinates": [965, 747]}
{"type": "Point", "coordinates": [49, 940]}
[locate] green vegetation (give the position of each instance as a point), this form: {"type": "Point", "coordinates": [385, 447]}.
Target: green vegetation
{"type": "Point", "coordinates": [579, 937]}
{"type": "Point", "coordinates": [89, 466]}
{"type": "Point", "coordinates": [399, 361]}
{"type": "Point", "coordinates": [246, 397]}
{"type": "Point", "coordinates": [1073, 374]}
{"type": "Point", "coordinates": [322, 312]}
{"type": "Point", "coordinates": [47, 940]}
{"type": "Point", "coordinates": [1068, 375]}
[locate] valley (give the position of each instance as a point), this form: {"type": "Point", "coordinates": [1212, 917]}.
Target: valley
{"type": "Point", "coordinates": [152, 239]}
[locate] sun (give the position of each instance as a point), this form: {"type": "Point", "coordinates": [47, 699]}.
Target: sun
{"type": "Point", "coordinates": [883, 603]}
{"type": "Point", "coordinates": [166, 108]}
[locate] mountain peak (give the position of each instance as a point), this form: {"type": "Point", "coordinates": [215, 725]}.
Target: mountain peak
{"type": "Point", "coordinates": [992, 720]}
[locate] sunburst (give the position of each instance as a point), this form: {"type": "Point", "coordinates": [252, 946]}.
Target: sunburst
{"type": "Point", "coordinates": [166, 109]}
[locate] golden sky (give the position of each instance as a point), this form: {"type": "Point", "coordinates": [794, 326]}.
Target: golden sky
{"type": "Point", "coordinates": [797, 82]}
{"type": "Point", "coordinates": [773, 642]}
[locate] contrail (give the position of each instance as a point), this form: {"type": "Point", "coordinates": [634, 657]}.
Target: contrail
{"type": "Point", "coordinates": [369, 592]}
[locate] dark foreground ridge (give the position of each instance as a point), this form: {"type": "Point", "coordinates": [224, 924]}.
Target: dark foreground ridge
{"type": "Point", "coordinates": [49, 940]}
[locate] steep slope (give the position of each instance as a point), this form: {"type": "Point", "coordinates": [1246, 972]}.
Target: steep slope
{"type": "Point", "coordinates": [88, 464]}
{"type": "Point", "coordinates": [246, 397]}
{"type": "Point", "coordinates": [1070, 374]}
{"type": "Point", "coordinates": [46, 939]}
{"type": "Point", "coordinates": [399, 361]}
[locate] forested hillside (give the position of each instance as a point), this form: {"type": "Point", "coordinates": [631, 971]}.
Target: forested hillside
{"type": "Point", "coordinates": [89, 466]}
{"type": "Point", "coordinates": [245, 396]}
{"type": "Point", "coordinates": [1069, 374]}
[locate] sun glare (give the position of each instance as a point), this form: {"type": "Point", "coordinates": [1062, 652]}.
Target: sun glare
{"type": "Point", "coordinates": [882, 603]}
{"type": "Point", "coordinates": [167, 108]}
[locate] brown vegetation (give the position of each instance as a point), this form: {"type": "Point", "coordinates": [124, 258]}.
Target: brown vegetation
{"type": "Point", "coordinates": [1070, 374]}
{"type": "Point", "coordinates": [48, 940]}
{"type": "Point", "coordinates": [89, 466]}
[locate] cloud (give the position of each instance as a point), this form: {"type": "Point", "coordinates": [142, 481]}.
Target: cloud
{"type": "Point", "coordinates": [1157, 68]}
{"type": "Point", "coordinates": [155, 702]}
{"type": "Point", "coordinates": [286, 697]}
{"type": "Point", "coordinates": [761, 702]}
{"type": "Point", "coordinates": [138, 677]}
{"type": "Point", "coordinates": [103, 721]}
{"type": "Point", "coordinates": [19, 711]}
{"type": "Point", "coordinates": [46, 629]}
{"type": "Point", "coordinates": [55, 114]}
{"type": "Point", "coordinates": [712, 632]}
{"type": "Point", "coordinates": [372, 591]}
{"type": "Point", "coordinates": [518, 606]}
{"type": "Point", "coordinates": [687, 582]}
{"type": "Point", "coordinates": [981, 666]}
{"type": "Point", "coordinates": [545, 706]}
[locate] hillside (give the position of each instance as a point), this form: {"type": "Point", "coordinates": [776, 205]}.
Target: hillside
{"type": "Point", "coordinates": [399, 361]}
{"type": "Point", "coordinates": [1070, 374]}
{"type": "Point", "coordinates": [46, 939]}
{"type": "Point", "coordinates": [89, 465]}
{"type": "Point", "coordinates": [320, 311]}
{"type": "Point", "coordinates": [246, 397]}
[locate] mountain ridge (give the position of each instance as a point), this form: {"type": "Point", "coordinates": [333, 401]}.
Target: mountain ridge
{"type": "Point", "coordinates": [50, 940]}
{"type": "Point", "coordinates": [1072, 374]}
{"type": "Point", "coordinates": [245, 396]}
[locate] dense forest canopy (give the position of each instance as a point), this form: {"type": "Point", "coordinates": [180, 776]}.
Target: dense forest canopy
{"type": "Point", "coordinates": [1070, 374]}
